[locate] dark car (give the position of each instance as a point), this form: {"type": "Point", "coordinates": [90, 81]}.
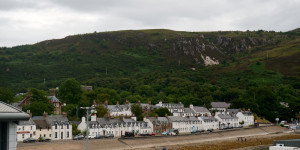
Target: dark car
{"type": "Point", "coordinates": [78, 137]}
{"type": "Point", "coordinates": [129, 134]}
{"type": "Point", "coordinates": [109, 136]}
{"type": "Point", "coordinates": [99, 137]}
{"type": "Point", "coordinates": [210, 130]}
{"type": "Point", "coordinates": [43, 139]}
{"type": "Point", "coordinates": [144, 134]}
{"type": "Point", "coordinates": [29, 140]}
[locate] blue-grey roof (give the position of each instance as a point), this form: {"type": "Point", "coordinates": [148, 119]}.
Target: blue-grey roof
{"type": "Point", "coordinates": [27, 122]}
{"type": "Point", "coordinates": [208, 118]}
{"type": "Point", "coordinates": [200, 109]}
{"type": "Point", "coordinates": [219, 105]}
{"type": "Point", "coordinates": [53, 99]}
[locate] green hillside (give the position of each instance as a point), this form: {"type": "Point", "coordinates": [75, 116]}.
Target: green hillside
{"type": "Point", "coordinates": [252, 69]}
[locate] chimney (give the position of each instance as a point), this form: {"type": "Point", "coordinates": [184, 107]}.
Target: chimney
{"type": "Point", "coordinates": [45, 115]}
{"type": "Point", "coordinates": [29, 93]}
{"type": "Point", "coordinates": [149, 102]}
{"type": "Point", "coordinates": [244, 109]}
{"type": "Point", "coordinates": [83, 119]}
{"type": "Point", "coordinates": [127, 102]}
{"type": "Point", "coordinates": [106, 103]}
{"type": "Point", "coordinates": [249, 110]}
{"type": "Point", "coordinates": [64, 114]}
{"type": "Point", "coordinates": [94, 117]}
{"type": "Point", "coordinates": [139, 102]}
{"type": "Point", "coordinates": [156, 116]}
{"type": "Point", "coordinates": [28, 112]}
{"type": "Point", "coordinates": [52, 92]}
{"type": "Point", "coordinates": [118, 103]}
{"type": "Point", "coordinates": [240, 109]}
{"type": "Point", "coordinates": [206, 115]}
{"type": "Point", "coordinates": [147, 116]}
{"type": "Point", "coordinates": [121, 117]}
{"type": "Point", "coordinates": [191, 106]}
{"type": "Point", "coordinates": [213, 114]}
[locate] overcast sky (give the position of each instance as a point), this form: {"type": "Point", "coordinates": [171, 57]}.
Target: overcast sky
{"type": "Point", "coordinates": [32, 21]}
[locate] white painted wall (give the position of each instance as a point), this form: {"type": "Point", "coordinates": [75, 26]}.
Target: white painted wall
{"type": "Point", "coordinates": [22, 132]}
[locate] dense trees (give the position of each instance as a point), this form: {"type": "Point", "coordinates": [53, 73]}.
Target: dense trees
{"type": "Point", "coordinates": [70, 91]}
{"type": "Point", "coordinates": [137, 110]}
{"type": "Point", "coordinates": [6, 95]}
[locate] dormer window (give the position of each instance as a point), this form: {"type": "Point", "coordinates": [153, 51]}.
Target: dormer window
{"type": "Point", "coordinates": [55, 126]}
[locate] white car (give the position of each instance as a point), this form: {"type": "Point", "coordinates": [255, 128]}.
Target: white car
{"type": "Point", "coordinates": [172, 133]}
{"type": "Point", "coordinates": [91, 136]}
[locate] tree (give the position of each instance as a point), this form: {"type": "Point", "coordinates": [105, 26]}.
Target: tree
{"type": "Point", "coordinates": [70, 91]}
{"type": "Point", "coordinates": [207, 101]}
{"type": "Point", "coordinates": [39, 95]}
{"type": "Point", "coordinates": [161, 112]}
{"type": "Point", "coordinates": [75, 131]}
{"type": "Point", "coordinates": [38, 108]}
{"type": "Point", "coordinates": [101, 110]}
{"type": "Point", "coordinates": [6, 95]}
{"type": "Point", "coordinates": [137, 111]}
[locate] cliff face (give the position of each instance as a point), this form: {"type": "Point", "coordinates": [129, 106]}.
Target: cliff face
{"type": "Point", "coordinates": [206, 48]}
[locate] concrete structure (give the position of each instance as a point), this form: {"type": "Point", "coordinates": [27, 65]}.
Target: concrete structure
{"type": "Point", "coordinates": [293, 144]}
{"type": "Point", "coordinates": [9, 119]}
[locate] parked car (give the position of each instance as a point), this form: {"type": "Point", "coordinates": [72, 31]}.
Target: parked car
{"type": "Point", "coordinates": [99, 136]}
{"type": "Point", "coordinates": [152, 134]}
{"type": "Point", "coordinates": [210, 130]}
{"type": "Point", "coordinates": [91, 136]}
{"type": "Point", "coordinates": [29, 140]}
{"type": "Point", "coordinates": [173, 133]}
{"type": "Point", "coordinates": [78, 137]}
{"type": "Point", "coordinates": [165, 133]}
{"type": "Point", "coordinates": [129, 134]}
{"type": "Point", "coordinates": [144, 134]}
{"type": "Point", "coordinates": [43, 139]}
{"type": "Point", "coordinates": [109, 136]}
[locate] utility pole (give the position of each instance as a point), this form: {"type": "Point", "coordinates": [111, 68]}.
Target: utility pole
{"type": "Point", "coordinates": [88, 109]}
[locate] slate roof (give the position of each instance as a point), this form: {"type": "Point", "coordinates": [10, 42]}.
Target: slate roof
{"type": "Point", "coordinates": [188, 110]}
{"type": "Point", "coordinates": [201, 109]}
{"type": "Point", "coordinates": [209, 118]}
{"type": "Point", "coordinates": [222, 116]}
{"type": "Point", "coordinates": [29, 122]}
{"type": "Point", "coordinates": [177, 119]}
{"type": "Point", "coordinates": [219, 105]}
{"type": "Point", "coordinates": [53, 99]}
{"type": "Point", "coordinates": [41, 124]}
{"type": "Point", "coordinates": [57, 119]}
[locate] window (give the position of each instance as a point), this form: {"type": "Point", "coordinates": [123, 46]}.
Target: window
{"type": "Point", "coordinates": [55, 134]}
{"type": "Point", "coordinates": [67, 134]}
{"type": "Point", "coordinates": [30, 127]}
{"type": "Point", "coordinates": [61, 136]}
{"type": "Point", "coordinates": [22, 136]}
{"type": "Point", "coordinates": [67, 126]}
{"type": "Point", "coordinates": [49, 135]}
{"type": "Point", "coordinates": [30, 135]}
{"type": "Point", "coordinates": [62, 126]}
{"type": "Point", "coordinates": [55, 126]}
{"type": "Point", "coordinates": [44, 135]}
{"type": "Point", "coordinates": [23, 128]}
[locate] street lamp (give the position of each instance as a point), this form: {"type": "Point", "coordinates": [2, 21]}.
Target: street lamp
{"type": "Point", "coordinates": [92, 109]}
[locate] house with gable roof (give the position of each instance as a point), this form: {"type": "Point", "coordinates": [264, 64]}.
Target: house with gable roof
{"type": "Point", "coordinates": [246, 118]}
{"type": "Point", "coordinates": [219, 106]}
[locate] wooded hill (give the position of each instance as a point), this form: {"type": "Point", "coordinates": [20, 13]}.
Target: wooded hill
{"type": "Point", "coordinates": [249, 69]}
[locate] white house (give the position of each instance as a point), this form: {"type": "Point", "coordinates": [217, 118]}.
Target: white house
{"type": "Point", "coordinates": [9, 119]}
{"type": "Point", "coordinates": [56, 127]}
{"type": "Point", "coordinates": [26, 129]}
{"type": "Point", "coordinates": [209, 122]}
{"type": "Point", "coordinates": [117, 126]}
{"type": "Point", "coordinates": [200, 111]}
{"type": "Point", "coordinates": [185, 124]}
{"type": "Point", "coordinates": [227, 120]}
{"type": "Point", "coordinates": [119, 110]}
{"type": "Point", "coordinates": [175, 109]}
{"type": "Point", "coordinates": [244, 116]}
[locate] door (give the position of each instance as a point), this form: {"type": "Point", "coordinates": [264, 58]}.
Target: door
{"type": "Point", "coordinates": [62, 135]}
